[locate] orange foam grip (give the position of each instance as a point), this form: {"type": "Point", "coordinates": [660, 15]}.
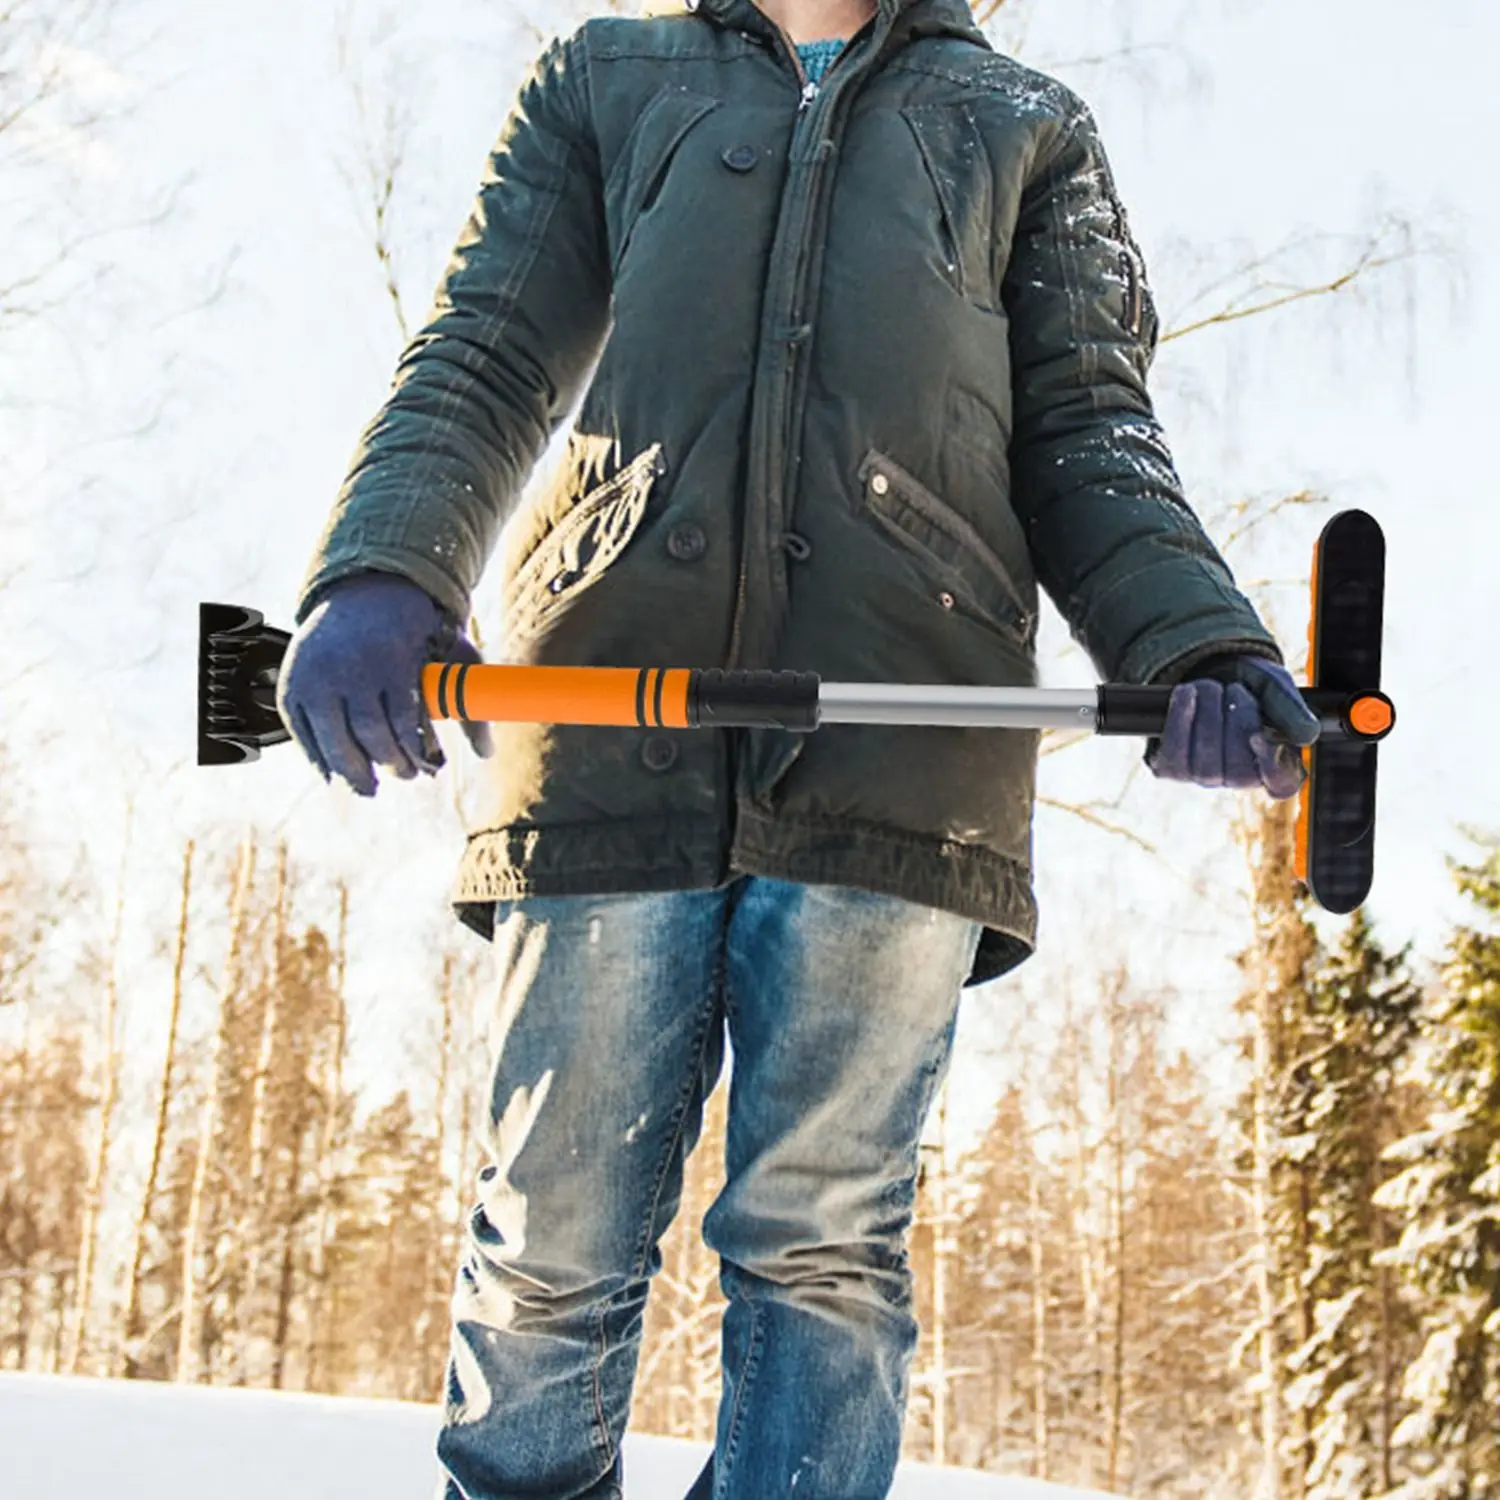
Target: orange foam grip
{"type": "Point", "coordinates": [642, 697]}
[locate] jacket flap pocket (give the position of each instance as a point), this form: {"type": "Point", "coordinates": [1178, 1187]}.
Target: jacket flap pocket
{"type": "Point", "coordinates": [636, 177]}
{"type": "Point", "coordinates": [949, 544]}
{"type": "Point", "coordinates": [584, 544]}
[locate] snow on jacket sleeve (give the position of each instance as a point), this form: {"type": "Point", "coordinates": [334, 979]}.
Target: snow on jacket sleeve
{"type": "Point", "coordinates": [515, 327]}
{"type": "Point", "coordinates": [1113, 540]}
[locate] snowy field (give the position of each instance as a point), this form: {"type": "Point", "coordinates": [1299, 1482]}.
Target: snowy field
{"type": "Point", "coordinates": [132, 1440]}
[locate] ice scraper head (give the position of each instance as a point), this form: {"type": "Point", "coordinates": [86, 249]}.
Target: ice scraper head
{"type": "Point", "coordinates": [239, 656]}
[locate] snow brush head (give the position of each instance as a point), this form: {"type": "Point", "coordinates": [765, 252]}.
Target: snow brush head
{"type": "Point", "coordinates": [239, 656]}
{"type": "Point", "coordinates": [1336, 819]}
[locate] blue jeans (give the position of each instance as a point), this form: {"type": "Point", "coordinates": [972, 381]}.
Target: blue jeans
{"type": "Point", "coordinates": [608, 1034]}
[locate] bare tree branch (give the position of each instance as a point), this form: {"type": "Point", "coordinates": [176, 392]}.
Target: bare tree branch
{"type": "Point", "coordinates": [1016, 20]}
{"type": "Point", "coordinates": [552, 19]}
{"type": "Point", "coordinates": [1257, 286]}
{"type": "Point", "coordinates": [1054, 740]}
{"type": "Point", "coordinates": [1130, 52]}
{"type": "Point", "coordinates": [1253, 511]}
{"type": "Point", "coordinates": [51, 110]}
{"type": "Point", "coordinates": [1085, 811]}
{"type": "Point", "coordinates": [384, 123]}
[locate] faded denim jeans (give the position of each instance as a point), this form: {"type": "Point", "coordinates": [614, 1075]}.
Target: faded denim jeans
{"type": "Point", "coordinates": [608, 1034]}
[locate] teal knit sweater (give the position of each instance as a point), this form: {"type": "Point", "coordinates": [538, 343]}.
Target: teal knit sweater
{"type": "Point", "coordinates": [816, 57]}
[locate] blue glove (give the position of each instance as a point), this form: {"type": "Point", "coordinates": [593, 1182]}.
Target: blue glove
{"type": "Point", "coordinates": [1238, 723]}
{"type": "Point", "coordinates": [349, 688]}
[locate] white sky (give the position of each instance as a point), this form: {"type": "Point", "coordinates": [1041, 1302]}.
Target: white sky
{"type": "Point", "coordinates": [1238, 125]}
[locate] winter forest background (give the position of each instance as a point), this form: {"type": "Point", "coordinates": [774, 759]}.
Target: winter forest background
{"type": "Point", "coordinates": [1211, 1204]}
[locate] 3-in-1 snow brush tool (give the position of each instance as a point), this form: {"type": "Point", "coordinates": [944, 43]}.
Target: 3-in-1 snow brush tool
{"type": "Point", "coordinates": [239, 657]}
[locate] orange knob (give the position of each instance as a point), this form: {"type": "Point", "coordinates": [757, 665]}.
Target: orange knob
{"type": "Point", "coordinates": [1371, 716]}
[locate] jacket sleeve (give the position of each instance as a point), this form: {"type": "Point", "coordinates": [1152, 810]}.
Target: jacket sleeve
{"type": "Point", "coordinates": [516, 325]}
{"type": "Point", "coordinates": [1112, 538]}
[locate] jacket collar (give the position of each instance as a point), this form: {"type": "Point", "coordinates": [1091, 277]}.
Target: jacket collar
{"type": "Point", "coordinates": [918, 18]}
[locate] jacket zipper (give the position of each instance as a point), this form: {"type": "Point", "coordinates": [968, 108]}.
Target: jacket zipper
{"type": "Point", "coordinates": [808, 92]}
{"type": "Point", "coordinates": [809, 88]}
{"type": "Point", "coordinates": [807, 97]}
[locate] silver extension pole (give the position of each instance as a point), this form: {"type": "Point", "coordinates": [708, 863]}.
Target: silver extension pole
{"type": "Point", "coordinates": [962, 707]}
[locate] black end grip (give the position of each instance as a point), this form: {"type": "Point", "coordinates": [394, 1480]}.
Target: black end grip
{"type": "Point", "coordinates": [1132, 710]}
{"type": "Point", "coordinates": [752, 700]}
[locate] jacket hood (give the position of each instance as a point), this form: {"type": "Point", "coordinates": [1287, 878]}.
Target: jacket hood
{"type": "Point", "coordinates": [906, 19]}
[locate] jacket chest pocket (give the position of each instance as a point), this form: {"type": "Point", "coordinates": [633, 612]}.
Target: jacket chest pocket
{"type": "Point", "coordinates": [957, 165]}
{"type": "Point", "coordinates": [958, 565]}
{"type": "Point", "coordinates": [635, 180]}
{"type": "Point", "coordinates": [580, 549]}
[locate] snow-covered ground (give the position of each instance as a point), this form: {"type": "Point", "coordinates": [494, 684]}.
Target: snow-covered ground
{"type": "Point", "coordinates": [129, 1440]}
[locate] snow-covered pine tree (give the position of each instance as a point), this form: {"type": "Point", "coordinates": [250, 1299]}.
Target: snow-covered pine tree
{"type": "Point", "coordinates": [1103, 1166]}
{"type": "Point", "coordinates": [1448, 1196]}
{"type": "Point", "coordinates": [379, 1344]}
{"type": "Point", "coordinates": [1076, 1396]}
{"type": "Point", "coordinates": [1192, 1231]}
{"type": "Point", "coordinates": [1343, 1104]}
{"type": "Point", "coordinates": [1000, 1310]}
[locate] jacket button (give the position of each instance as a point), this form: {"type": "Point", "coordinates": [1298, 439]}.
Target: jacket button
{"type": "Point", "coordinates": [741, 158]}
{"type": "Point", "coordinates": [880, 484]}
{"type": "Point", "coordinates": [659, 753]}
{"type": "Point", "coordinates": [687, 543]}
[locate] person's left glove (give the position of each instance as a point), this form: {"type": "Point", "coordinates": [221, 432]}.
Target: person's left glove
{"type": "Point", "coordinates": [349, 688]}
{"type": "Point", "coordinates": [1240, 722]}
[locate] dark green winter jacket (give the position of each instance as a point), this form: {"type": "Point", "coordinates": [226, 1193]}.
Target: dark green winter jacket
{"type": "Point", "coordinates": [861, 367]}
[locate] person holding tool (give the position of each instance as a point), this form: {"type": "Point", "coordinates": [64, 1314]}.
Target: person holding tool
{"type": "Point", "coordinates": [861, 337]}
